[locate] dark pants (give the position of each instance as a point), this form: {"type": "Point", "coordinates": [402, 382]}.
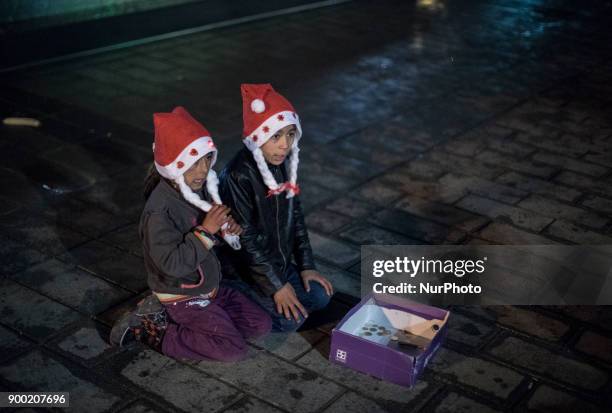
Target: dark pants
{"type": "Point", "coordinates": [214, 329]}
{"type": "Point", "coordinates": [314, 300]}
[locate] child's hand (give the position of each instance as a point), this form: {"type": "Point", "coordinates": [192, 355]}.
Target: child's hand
{"type": "Point", "coordinates": [288, 304]}
{"type": "Point", "coordinates": [215, 218]}
{"type": "Point", "coordinates": [312, 275]}
{"type": "Point", "coordinates": [233, 227]}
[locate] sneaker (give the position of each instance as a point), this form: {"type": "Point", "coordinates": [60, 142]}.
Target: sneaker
{"type": "Point", "coordinates": [148, 306]}
{"type": "Point", "coordinates": [122, 332]}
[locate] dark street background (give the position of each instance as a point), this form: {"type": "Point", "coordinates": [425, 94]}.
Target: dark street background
{"type": "Point", "coordinates": [424, 122]}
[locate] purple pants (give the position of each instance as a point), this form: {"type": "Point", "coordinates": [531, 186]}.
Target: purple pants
{"type": "Point", "coordinates": [214, 330]}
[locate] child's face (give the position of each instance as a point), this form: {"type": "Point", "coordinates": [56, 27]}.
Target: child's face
{"type": "Point", "coordinates": [196, 175]}
{"type": "Point", "coordinates": [276, 148]}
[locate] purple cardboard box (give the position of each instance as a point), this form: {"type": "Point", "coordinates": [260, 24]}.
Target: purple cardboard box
{"type": "Point", "coordinates": [367, 338]}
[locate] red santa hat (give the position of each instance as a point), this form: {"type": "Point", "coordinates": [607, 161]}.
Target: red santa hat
{"type": "Point", "coordinates": [265, 112]}
{"type": "Point", "coordinates": [180, 141]}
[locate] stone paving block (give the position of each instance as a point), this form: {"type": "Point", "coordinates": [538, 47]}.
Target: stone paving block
{"type": "Point", "coordinates": [276, 381]}
{"type": "Point", "coordinates": [505, 234]}
{"type": "Point", "coordinates": [512, 147]}
{"type": "Point", "coordinates": [600, 316]}
{"type": "Point", "coordinates": [555, 209]}
{"type": "Point", "coordinates": [11, 343]}
{"type": "Point", "coordinates": [530, 322]}
{"type": "Point", "coordinates": [530, 167]}
{"type": "Point", "coordinates": [104, 156]}
{"type": "Point", "coordinates": [602, 156]}
{"type": "Point", "coordinates": [140, 407]}
{"type": "Point", "coordinates": [36, 139]}
{"type": "Point", "coordinates": [595, 345]}
{"type": "Point", "coordinates": [353, 402]}
{"type": "Point", "coordinates": [601, 205]}
{"type": "Point", "coordinates": [599, 186]}
{"type": "Point", "coordinates": [382, 156]}
{"type": "Point", "coordinates": [467, 145]}
{"type": "Point", "coordinates": [392, 136]}
{"type": "Point", "coordinates": [332, 250]}
{"type": "Point", "coordinates": [567, 144]}
{"type": "Point", "coordinates": [582, 167]}
{"type": "Point", "coordinates": [72, 287]}
{"type": "Point", "coordinates": [471, 166]}
{"type": "Point", "coordinates": [363, 234]}
{"type": "Point", "coordinates": [572, 232]}
{"type": "Point", "coordinates": [326, 221]}
{"type": "Point", "coordinates": [411, 226]}
{"type": "Point", "coordinates": [482, 187]}
{"type": "Point", "coordinates": [312, 195]}
{"type": "Point", "coordinates": [85, 343]}
{"type": "Point", "coordinates": [455, 403]}
{"type": "Point", "coordinates": [444, 214]}
{"type": "Point", "coordinates": [289, 345]}
{"type": "Point", "coordinates": [14, 257]}
{"type": "Point", "coordinates": [376, 193]}
{"type": "Point", "coordinates": [467, 331]}
{"type": "Point", "coordinates": [351, 207]}
{"type": "Point", "coordinates": [126, 238]}
{"type": "Point", "coordinates": [547, 399]}
{"type": "Point", "coordinates": [31, 313]}
{"type": "Point", "coordinates": [178, 384]}
{"type": "Point", "coordinates": [538, 186]}
{"type": "Point", "coordinates": [109, 263]}
{"type": "Point", "coordinates": [423, 168]}
{"type": "Point", "coordinates": [121, 195]}
{"type": "Point", "coordinates": [480, 374]}
{"type": "Point", "coordinates": [551, 365]}
{"type": "Point", "coordinates": [38, 233]}
{"type": "Point", "coordinates": [7, 206]}
{"type": "Point", "coordinates": [324, 176]}
{"type": "Point", "coordinates": [37, 371]}
{"type": "Point", "coordinates": [349, 167]}
{"type": "Point", "coordinates": [515, 122]}
{"type": "Point", "coordinates": [434, 191]}
{"type": "Point", "coordinates": [387, 395]}
{"type": "Point", "coordinates": [251, 405]}
{"type": "Point", "coordinates": [498, 211]}
{"type": "Point", "coordinates": [84, 217]}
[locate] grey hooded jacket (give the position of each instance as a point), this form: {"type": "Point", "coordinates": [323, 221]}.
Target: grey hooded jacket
{"type": "Point", "coordinates": [176, 261]}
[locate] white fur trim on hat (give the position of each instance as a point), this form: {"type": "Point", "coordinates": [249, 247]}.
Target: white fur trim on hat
{"type": "Point", "coordinates": [270, 126]}
{"type": "Point", "coordinates": [188, 156]}
{"type": "Point", "coordinates": [258, 106]}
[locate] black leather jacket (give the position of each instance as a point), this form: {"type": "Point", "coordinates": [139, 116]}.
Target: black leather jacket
{"type": "Point", "coordinates": [274, 229]}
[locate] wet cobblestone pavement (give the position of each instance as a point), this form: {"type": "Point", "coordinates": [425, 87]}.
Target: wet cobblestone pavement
{"type": "Point", "coordinates": [424, 122]}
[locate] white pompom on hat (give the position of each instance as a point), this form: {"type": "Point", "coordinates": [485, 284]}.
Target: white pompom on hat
{"type": "Point", "coordinates": [265, 112]}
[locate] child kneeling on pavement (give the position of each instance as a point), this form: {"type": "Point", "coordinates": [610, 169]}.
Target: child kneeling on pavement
{"type": "Point", "coordinates": [190, 314]}
{"type": "Point", "coordinates": [260, 185]}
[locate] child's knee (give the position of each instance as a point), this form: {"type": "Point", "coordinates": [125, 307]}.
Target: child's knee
{"type": "Point", "coordinates": [318, 298]}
